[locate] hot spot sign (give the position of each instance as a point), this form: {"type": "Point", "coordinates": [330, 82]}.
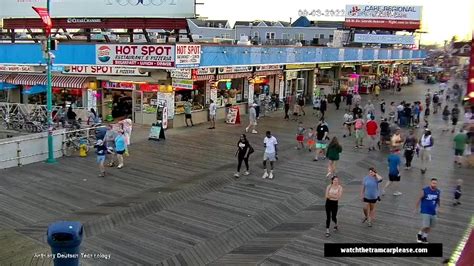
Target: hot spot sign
{"type": "Point", "coordinates": [154, 56]}
{"type": "Point", "coordinates": [188, 55]}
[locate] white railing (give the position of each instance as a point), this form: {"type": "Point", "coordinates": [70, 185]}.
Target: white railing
{"type": "Point", "coordinates": [33, 148]}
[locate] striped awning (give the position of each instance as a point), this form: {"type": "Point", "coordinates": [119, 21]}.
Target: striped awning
{"type": "Point", "coordinates": [205, 77]}
{"type": "Point", "coordinates": [58, 81]}
{"type": "Point", "coordinates": [4, 77]}
{"type": "Point", "coordinates": [234, 75]}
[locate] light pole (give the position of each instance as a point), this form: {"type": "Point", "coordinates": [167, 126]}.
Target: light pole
{"type": "Point", "coordinates": [49, 92]}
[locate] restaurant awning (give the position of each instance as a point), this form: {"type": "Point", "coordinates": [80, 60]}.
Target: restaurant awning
{"type": "Point", "coordinates": [4, 77]}
{"type": "Point", "coordinates": [58, 81]}
{"type": "Point", "coordinates": [36, 89]}
{"type": "Point", "coordinates": [6, 86]}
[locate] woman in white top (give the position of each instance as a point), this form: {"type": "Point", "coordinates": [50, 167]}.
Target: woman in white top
{"type": "Point", "coordinates": [127, 129]}
{"type": "Point", "coordinates": [333, 194]}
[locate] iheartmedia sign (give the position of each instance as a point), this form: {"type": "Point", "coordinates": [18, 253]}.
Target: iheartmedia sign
{"type": "Point", "coordinates": [384, 39]}
{"type": "Point", "coordinates": [84, 20]}
{"type": "Point", "coordinates": [104, 70]}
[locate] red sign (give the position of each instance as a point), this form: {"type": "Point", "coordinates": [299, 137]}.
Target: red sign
{"type": "Point", "coordinates": [118, 85]}
{"type": "Point", "coordinates": [149, 87]}
{"type": "Point", "coordinates": [470, 80]}
{"type": "Point", "coordinates": [44, 15]}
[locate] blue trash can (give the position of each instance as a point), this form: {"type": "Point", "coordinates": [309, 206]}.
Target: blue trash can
{"type": "Point", "coordinates": [65, 240]}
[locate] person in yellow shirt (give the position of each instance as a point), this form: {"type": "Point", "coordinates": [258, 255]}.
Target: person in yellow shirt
{"type": "Point", "coordinates": [377, 90]}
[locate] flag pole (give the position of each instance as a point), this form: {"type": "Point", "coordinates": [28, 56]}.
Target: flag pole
{"type": "Point", "coordinates": [49, 92]}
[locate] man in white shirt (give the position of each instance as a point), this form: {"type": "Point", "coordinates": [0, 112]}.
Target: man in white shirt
{"type": "Point", "coordinates": [212, 114]}
{"type": "Point", "coordinates": [426, 144]}
{"type": "Point", "coordinates": [271, 154]}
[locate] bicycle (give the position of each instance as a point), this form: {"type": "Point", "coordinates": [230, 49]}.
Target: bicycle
{"type": "Point", "coordinates": [73, 143]}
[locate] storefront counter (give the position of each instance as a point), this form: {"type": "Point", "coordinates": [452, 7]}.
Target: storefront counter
{"type": "Point", "coordinates": [145, 118]}
{"type": "Point", "coordinates": [202, 116]}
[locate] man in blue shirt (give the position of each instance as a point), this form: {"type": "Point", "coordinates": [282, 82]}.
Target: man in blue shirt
{"type": "Point", "coordinates": [430, 200]}
{"type": "Point", "coordinates": [394, 162]}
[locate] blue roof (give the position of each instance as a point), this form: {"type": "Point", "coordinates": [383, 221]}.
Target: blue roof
{"type": "Point", "coordinates": [301, 22]}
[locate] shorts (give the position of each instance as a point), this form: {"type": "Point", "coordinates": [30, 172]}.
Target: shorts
{"type": "Point", "coordinates": [425, 155]}
{"type": "Point", "coordinates": [269, 157]}
{"type": "Point", "coordinates": [371, 200]}
{"type": "Point", "coordinates": [311, 143]}
{"type": "Point", "coordinates": [300, 138]}
{"type": "Point", "coordinates": [100, 158]}
{"type": "Point", "coordinates": [394, 178]}
{"type": "Point", "coordinates": [428, 220]}
{"type": "Point", "coordinates": [120, 152]}
{"type": "Point", "coordinates": [458, 152]}
{"type": "Point", "coordinates": [320, 145]}
{"type": "Point", "coordinates": [212, 117]}
{"type": "Point", "coordinates": [187, 116]}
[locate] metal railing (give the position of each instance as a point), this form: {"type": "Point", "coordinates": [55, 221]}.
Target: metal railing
{"type": "Point", "coordinates": [25, 150]}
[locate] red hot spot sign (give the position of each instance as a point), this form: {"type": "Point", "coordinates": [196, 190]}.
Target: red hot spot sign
{"type": "Point", "coordinates": [152, 56]}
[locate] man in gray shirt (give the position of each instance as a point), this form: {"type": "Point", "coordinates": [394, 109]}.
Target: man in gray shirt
{"type": "Point", "coordinates": [252, 119]}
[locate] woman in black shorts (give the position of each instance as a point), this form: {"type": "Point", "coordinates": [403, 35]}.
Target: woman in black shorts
{"type": "Point", "coordinates": [370, 194]}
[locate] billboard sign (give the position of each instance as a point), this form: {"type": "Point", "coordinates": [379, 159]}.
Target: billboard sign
{"type": "Point", "coordinates": [385, 39]}
{"type": "Point", "coordinates": [100, 8]}
{"type": "Point", "coordinates": [182, 84]}
{"type": "Point", "coordinates": [188, 55]}
{"type": "Point", "coordinates": [383, 17]}
{"type": "Point", "coordinates": [104, 70]}
{"type": "Point", "coordinates": [150, 56]}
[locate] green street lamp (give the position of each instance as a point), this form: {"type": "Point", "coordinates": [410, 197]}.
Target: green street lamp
{"type": "Point", "coordinates": [44, 13]}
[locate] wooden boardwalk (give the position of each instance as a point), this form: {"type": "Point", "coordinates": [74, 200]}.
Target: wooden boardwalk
{"type": "Point", "coordinates": [177, 203]}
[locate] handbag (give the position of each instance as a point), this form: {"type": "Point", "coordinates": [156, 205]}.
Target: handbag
{"type": "Point", "coordinates": [251, 150]}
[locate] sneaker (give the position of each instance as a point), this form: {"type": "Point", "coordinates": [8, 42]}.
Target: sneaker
{"type": "Point", "coordinates": [419, 238]}
{"type": "Point", "coordinates": [120, 166]}
{"type": "Point", "coordinates": [265, 175]}
{"type": "Point", "coordinates": [237, 175]}
{"type": "Point", "coordinates": [246, 173]}
{"type": "Point", "coordinates": [102, 175]}
{"type": "Point", "coordinates": [369, 224]}
{"type": "Point", "coordinates": [364, 220]}
{"type": "Point", "coordinates": [383, 192]}
{"type": "Point", "coordinates": [328, 234]}
{"type": "Point", "coordinates": [336, 228]}
{"type": "Point", "coordinates": [271, 175]}
{"type": "Point", "coordinates": [315, 159]}
{"type": "Point", "coordinates": [254, 131]}
{"type": "Point", "coordinates": [398, 193]}
{"type": "Point", "coordinates": [246, 129]}
{"type": "Point", "coordinates": [424, 240]}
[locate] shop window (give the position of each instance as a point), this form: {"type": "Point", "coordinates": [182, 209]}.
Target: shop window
{"type": "Point", "coordinates": [321, 36]}
{"type": "Point", "coordinates": [230, 91]}
{"type": "Point", "coordinates": [225, 36]}
{"type": "Point", "coordinates": [299, 36]}
{"type": "Point", "coordinates": [197, 96]}
{"type": "Point", "coordinates": [270, 35]}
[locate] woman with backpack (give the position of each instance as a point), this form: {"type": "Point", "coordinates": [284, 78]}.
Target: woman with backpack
{"type": "Point", "coordinates": [244, 149]}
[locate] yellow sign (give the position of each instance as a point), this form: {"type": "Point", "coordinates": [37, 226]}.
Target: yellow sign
{"type": "Point", "coordinates": [300, 66]}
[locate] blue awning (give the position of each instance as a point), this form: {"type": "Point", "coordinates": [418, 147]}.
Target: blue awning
{"type": "Point", "coordinates": [35, 90]}
{"type": "Point", "coordinates": [6, 86]}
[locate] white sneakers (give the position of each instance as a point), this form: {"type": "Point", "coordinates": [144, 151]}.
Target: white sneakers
{"type": "Point", "coordinates": [120, 166]}
{"type": "Point", "coordinates": [398, 193]}
{"type": "Point", "coordinates": [246, 173]}
{"type": "Point", "coordinates": [237, 174]}
{"type": "Point", "coordinates": [268, 175]}
{"type": "Point", "coordinates": [254, 131]}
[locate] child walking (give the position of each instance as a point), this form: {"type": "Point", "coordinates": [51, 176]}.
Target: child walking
{"type": "Point", "coordinates": [101, 151]}
{"type": "Point", "coordinates": [457, 193]}
{"type": "Point", "coordinates": [300, 136]}
{"type": "Point", "coordinates": [311, 139]}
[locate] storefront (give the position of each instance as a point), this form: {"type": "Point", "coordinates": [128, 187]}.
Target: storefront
{"type": "Point", "coordinates": [268, 80]}
{"type": "Point", "coordinates": [326, 78]}
{"type": "Point", "coordinates": [300, 79]}
{"type": "Point", "coordinates": [367, 78]}
{"type": "Point", "coordinates": [7, 89]}
{"type": "Point", "coordinates": [67, 90]}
